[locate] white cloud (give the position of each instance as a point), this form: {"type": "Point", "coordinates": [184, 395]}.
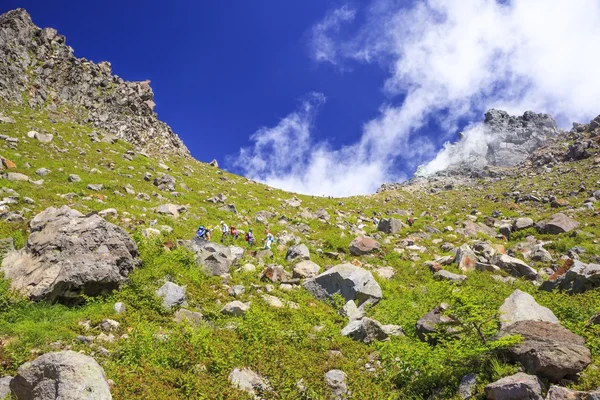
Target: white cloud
{"type": "Point", "coordinates": [323, 43]}
{"type": "Point", "coordinates": [449, 61]}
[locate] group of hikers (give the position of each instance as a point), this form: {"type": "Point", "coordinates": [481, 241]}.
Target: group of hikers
{"type": "Point", "coordinates": [205, 233]}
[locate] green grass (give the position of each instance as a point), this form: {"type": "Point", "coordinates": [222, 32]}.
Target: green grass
{"type": "Point", "coordinates": [281, 344]}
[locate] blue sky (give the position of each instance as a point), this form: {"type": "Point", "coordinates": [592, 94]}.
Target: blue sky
{"type": "Point", "coordinates": [330, 97]}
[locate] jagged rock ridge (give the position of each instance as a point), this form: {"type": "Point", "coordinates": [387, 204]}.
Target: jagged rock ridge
{"type": "Point", "coordinates": [37, 67]}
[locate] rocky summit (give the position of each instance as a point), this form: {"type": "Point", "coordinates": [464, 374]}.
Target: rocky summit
{"type": "Point", "coordinates": [39, 63]}
{"type": "Point", "coordinates": [119, 280]}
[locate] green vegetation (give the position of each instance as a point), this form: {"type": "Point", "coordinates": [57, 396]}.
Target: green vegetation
{"type": "Point", "coordinates": [161, 359]}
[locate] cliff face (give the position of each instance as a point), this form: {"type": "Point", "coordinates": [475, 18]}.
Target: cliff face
{"type": "Point", "coordinates": [37, 67]}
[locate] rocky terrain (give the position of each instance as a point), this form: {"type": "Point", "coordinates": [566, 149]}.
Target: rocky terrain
{"type": "Point", "coordinates": [470, 285]}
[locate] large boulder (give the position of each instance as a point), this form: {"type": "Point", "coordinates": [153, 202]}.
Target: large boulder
{"type": "Point", "coordinates": [350, 281]}
{"type": "Point", "coordinates": [390, 225]}
{"type": "Point", "coordinates": [522, 223]}
{"type": "Point", "coordinates": [578, 279]}
{"type": "Point", "coordinates": [68, 255]}
{"type": "Point", "coordinates": [548, 349]}
{"type": "Point", "coordinates": [519, 386]}
{"type": "Point", "coordinates": [558, 223]}
{"type": "Point", "coordinates": [363, 245]}
{"type": "Point", "coordinates": [515, 267]}
{"type": "Point", "coordinates": [521, 306]}
{"type": "Point", "coordinates": [64, 375]}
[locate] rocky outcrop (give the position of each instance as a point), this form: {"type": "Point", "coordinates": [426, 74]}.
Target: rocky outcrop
{"type": "Point", "coordinates": [68, 255]}
{"type": "Point", "coordinates": [62, 375]}
{"type": "Point", "coordinates": [561, 393]}
{"type": "Point", "coordinates": [38, 62]}
{"type": "Point", "coordinates": [353, 283]}
{"type": "Point", "coordinates": [548, 349]}
{"type": "Point", "coordinates": [579, 278]}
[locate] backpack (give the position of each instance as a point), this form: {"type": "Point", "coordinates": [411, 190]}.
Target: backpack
{"type": "Point", "coordinates": [247, 237]}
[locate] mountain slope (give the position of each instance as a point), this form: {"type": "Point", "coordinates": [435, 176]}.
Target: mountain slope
{"type": "Point", "coordinates": [288, 336]}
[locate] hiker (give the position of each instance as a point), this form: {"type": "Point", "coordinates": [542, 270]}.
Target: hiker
{"type": "Point", "coordinates": [410, 221]}
{"type": "Point", "coordinates": [250, 237]}
{"type": "Point", "coordinates": [201, 233]}
{"type": "Point", "coordinates": [376, 220]}
{"type": "Point", "coordinates": [234, 233]}
{"type": "Point", "coordinates": [269, 241]}
{"type": "Point", "coordinates": [209, 233]}
{"type": "Point", "coordinates": [224, 231]}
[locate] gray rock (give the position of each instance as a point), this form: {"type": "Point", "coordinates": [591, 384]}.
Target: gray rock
{"type": "Point", "coordinates": [579, 278]}
{"type": "Point", "coordinates": [264, 216]}
{"type": "Point", "coordinates": [466, 388]}
{"type": "Point", "coordinates": [561, 393]}
{"type": "Point", "coordinates": [120, 308]}
{"type": "Point", "coordinates": [16, 177]}
{"type": "Point", "coordinates": [44, 137]}
{"type": "Point", "coordinates": [322, 214]}
{"type": "Point", "coordinates": [336, 382]}
{"type": "Point", "coordinates": [306, 269]}
{"type": "Point", "coordinates": [449, 276]}
{"type": "Point", "coordinates": [235, 308]}
{"type": "Point", "coordinates": [42, 171]}
{"type": "Point", "coordinates": [522, 223]}
{"type": "Point", "coordinates": [165, 182]}
{"type": "Point", "coordinates": [95, 257]}
{"type": "Point", "coordinates": [299, 252]}
{"type": "Point", "coordinates": [220, 198]}
{"type": "Point", "coordinates": [274, 273]}
{"type": "Point", "coordinates": [365, 330]}
{"type": "Point", "coordinates": [5, 386]}
{"type": "Point", "coordinates": [519, 386]}
{"type": "Point", "coordinates": [237, 290]}
{"type": "Point", "coordinates": [172, 294]}
{"type": "Point", "coordinates": [521, 306]}
{"type": "Point", "coordinates": [515, 267]}
{"type": "Point", "coordinates": [172, 210]}
{"type": "Point", "coordinates": [390, 226]}
{"type": "Point", "coordinates": [363, 245]}
{"type": "Point", "coordinates": [351, 311]}
{"type": "Point", "coordinates": [64, 375]}
{"type": "Point", "coordinates": [432, 323]}
{"type": "Point", "coordinates": [95, 186]}
{"type": "Point", "coordinates": [186, 316]}
{"type": "Point", "coordinates": [466, 259]}
{"type": "Point", "coordinates": [249, 381]}
{"type": "Point", "coordinates": [548, 349]}
{"type": "Point", "coordinates": [539, 254]}
{"type": "Point", "coordinates": [353, 283]}
{"type": "Point", "coordinates": [558, 223]}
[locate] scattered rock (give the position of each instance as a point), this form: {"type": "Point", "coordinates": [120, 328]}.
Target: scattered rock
{"type": "Point", "coordinates": [515, 267]}
{"type": "Point", "coordinates": [518, 386]}
{"type": "Point", "coordinates": [390, 226]}
{"type": "Point", "coordinates": [74, 178]}
{"type": "Point", "coordinates": [432, 323]}
{"type": "Point", "coordinates": [579, 278]}
{"type": "Point", "coordinates": [558, 223]}
{"type": "Point", "coordinates": [353, 283]}
{"type": "Point", "coordinates": [363, 245]}
{"type": "Point", "coordinates": [193, 318]}
{"type": "Point", "coordinates": [336, 382]}
{"type": "Point", "coordinates": [521, 306]}
{"type": "Point", "coordinates": [172, 294]}
{"type": "Point", "coordinates": [467, 386]}
{"type": "Point", "coordinates": [466, 259]}
{"type": "Point", "coordinates": [299, 252]}
{"type": "Point", "coordinates": [306, 269]}
{"type": "Point", "coordinates": [61, 375]}
{"type": "Point", "coordinates": [249, 381]}
{"type": "Point", "coordinates": [522, 223]}
{"type": "Point", "coordinates": [561, 393]}
{"type": "Point", "coordinates": [120, 308]}
{"type": "Point", "coordinates": [235, 308]}
{"type": "Point", "coordinates": [449, 276]}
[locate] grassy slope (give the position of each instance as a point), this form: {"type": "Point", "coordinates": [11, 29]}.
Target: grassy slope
{"type": "Point", "coordinates": [281, 344]}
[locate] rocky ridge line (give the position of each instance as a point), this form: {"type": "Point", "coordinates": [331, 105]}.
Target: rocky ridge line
{"type": "Point", "coordinates": [38, 68]}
